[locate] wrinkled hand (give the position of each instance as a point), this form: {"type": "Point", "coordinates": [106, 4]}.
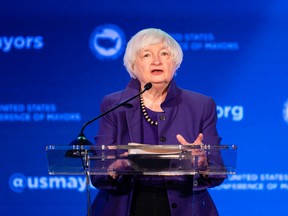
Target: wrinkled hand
{"type": "Point", "coordinates": [202, 159]}
{"type": "Point", "coordinates": [119, 164]}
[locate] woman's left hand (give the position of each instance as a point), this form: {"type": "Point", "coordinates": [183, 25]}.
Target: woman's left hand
{"type": "Point", "coordinates": [200, 153]}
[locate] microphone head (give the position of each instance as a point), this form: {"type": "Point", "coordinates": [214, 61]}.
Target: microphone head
{"type": "Point", "coordinates": [148, 86]}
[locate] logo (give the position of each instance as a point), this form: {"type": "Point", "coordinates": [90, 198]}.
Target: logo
{"type": "Point", "coordinates": [285, 111]}
{"type": "Point", "coordinates": [203, 41]}
{"type": "Point", "coordinates": [35, 113]}
{"type": "Point", "coordinates": [19, 182]}
{"type": "Point", "coordinates": [236, 113]}
{"type": "Point", "coordinates": [7, 43]}
{"type": "Point", "coordinates": [107, 42]}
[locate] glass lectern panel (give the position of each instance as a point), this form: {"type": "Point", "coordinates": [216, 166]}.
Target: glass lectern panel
{"type": "Point", "coordinates": [142, 159]}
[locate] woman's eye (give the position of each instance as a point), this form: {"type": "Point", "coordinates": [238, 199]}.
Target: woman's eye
{"type": "Point", "coordinates": [146, 55]}
{"type": "Point", "coordinates": [164, 53]}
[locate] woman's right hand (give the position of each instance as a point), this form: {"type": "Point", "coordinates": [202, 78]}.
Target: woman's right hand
{"type": "Point", "coordinates": [119, 164]}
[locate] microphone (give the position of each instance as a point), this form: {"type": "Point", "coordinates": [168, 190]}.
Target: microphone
{"type": "Point", "coordinates": [81, 140]}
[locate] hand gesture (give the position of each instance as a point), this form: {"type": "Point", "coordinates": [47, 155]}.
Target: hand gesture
{"type": "Point", "coordinates": [199, 153]}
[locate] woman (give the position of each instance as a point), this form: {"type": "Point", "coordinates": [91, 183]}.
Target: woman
{"type": "Point", "coordinates": [163, 115]}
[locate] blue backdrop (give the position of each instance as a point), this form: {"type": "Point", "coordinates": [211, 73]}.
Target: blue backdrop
{"type": "Point", "coordinates": [59, 58]}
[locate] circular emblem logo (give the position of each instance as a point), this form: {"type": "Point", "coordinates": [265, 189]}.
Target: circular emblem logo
{"type": "Point", "coordinates": [285, 111]}
{"type": "Point", "coordinates": [107, 42]}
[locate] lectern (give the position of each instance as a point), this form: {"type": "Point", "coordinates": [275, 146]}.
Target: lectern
{"type": "Point", "coordinates": [141, 159]}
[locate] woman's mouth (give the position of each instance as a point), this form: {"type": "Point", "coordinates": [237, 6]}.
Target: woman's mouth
{"type": "Point", "coordinates": [156, 71]}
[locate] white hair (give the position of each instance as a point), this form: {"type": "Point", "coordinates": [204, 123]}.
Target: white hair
{"type": "Point", "coordinates": [148, 37]}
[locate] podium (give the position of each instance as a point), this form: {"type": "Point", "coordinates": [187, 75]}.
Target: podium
{"type": "Point", "coordinates": [141, 159]}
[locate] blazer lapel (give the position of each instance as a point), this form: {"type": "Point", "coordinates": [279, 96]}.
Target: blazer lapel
{"type": "Point", "coordinates": [133, 118]}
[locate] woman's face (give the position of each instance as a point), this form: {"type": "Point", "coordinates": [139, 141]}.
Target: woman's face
{"type": "Point", "coordinates": [154, 64]}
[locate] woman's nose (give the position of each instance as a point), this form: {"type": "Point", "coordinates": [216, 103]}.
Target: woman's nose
{"type": "Point", "coordinates": [156, 60]}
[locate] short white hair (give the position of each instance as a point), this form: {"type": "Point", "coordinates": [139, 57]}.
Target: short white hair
{"type": "Point", "coordinates": [148, 37]}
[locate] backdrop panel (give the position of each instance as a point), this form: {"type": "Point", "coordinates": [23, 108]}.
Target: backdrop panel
{"type": "Point", "coordinates": [58, 60]}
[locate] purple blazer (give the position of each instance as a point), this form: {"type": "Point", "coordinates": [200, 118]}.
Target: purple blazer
{"type": "Point", "coordinates": [186, 113]}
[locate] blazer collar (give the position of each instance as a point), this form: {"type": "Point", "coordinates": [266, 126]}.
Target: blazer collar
{"type": "Point", "coordinates": [133, 88]}
{"type": "Point", "coordinates": [133, 113]}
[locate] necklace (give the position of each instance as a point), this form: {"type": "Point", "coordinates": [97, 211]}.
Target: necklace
{"type": "Point", "coordinates": [144, 111]}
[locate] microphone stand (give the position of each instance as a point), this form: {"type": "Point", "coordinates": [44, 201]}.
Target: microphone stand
{"type": "Point", "coordinates": [81, 140]}
{"type": "Point", "coordinates": [82, 137]}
